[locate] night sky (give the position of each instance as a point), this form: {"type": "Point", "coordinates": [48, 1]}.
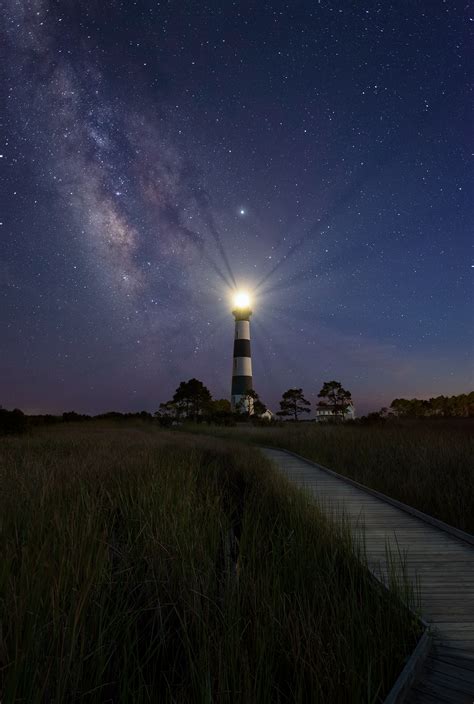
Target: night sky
{"type": "Point", "coordinates": [155, 154]}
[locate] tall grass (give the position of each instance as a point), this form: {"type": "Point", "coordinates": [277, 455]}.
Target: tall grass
{"type": "Point", "coordinates": [425, 465]}
{"type": "Point", "coordinates": [142, 566]}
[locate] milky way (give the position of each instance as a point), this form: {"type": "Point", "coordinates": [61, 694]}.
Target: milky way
{"type": "Point", "coordinates": [157, 156]}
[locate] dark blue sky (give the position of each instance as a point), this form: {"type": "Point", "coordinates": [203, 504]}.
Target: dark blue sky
{"type": "Point", "coordinates": [316, 153]}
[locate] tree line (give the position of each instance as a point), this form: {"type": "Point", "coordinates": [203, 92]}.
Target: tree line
{"type": "Point", "coordinates": [193, 400]}
{"type": "Point", "coordinates": [461, 406]}
{"type": "Point", "coordinates": [16, 422]}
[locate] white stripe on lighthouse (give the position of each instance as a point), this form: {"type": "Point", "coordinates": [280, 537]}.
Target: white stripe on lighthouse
{"type": "Point", "coordinates": [242, 330]}
{"type": "Point", "coordinates": [242, 362]}
{"type": "Point", "coordinates": [242, 366]}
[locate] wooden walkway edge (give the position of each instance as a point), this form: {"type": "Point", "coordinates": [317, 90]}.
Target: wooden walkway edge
{"type": "Point", "coordinates": [411, 672]}
{"type": "Point", "coordinates": [438, 558]}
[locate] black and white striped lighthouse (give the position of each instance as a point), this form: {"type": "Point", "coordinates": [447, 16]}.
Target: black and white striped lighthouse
{"type": "Point", "coordinates": [242, 363]}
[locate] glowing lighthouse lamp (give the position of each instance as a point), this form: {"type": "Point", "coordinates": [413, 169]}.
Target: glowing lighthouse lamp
{"type": "Point", "coordinates": [242, 364]}
{"type": "Point", "coordinates": [242, 300]}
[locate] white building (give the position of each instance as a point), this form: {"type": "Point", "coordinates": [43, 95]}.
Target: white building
{"type": "Point", "coordinates": [326, 413]}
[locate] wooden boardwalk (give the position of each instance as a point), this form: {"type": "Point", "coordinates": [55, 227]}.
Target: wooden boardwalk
{"type": "Point", "coordinates": [442, 565]}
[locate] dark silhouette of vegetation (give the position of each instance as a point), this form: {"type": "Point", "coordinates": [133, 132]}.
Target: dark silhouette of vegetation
{"type": "Point", "coordinates": [111, 415]}
{"type": "Point", "coordinates": [335, 397]}
{"type": "Point", "coordinates": [191, 400]}
{"type": "Point", "coordinates": [13, 422]}
{"type": "Point", "coordinates": [144, 415]}
{"type": "Point", "coordinates": [216, 411]}
{"type": "Point", "coordinates": [259, 407]}
{"type": "Point", "coordinates": [49, 419]}
{"type": "Point", "coordinates": [166, 414]}
{"type": "Point", "coordinates": [115, 415]}
{"type": "Point", "coordinates": [374, 418]}
{"type": "Point", "coordinates": [461, 406]}
{"type": "Point", "coordinates": [220, 412]}
{"type": "Point", "coordinates": [192, 396]}
{"type": "Point", "coordinates": [220, 405]}
{"type": "Point", "coordinates": [293, 403]}
{"type": "Point", "coordinates": [73, 417]}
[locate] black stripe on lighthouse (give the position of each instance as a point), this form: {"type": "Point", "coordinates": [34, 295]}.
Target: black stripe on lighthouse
{"type": "Point", "coordinates": [241, 384]}
{"type": "Point", "coordinates": [242, 364]}
{"type": "Point", "coordinates": [242, 348]}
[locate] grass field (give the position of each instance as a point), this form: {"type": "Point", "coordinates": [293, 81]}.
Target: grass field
{"type": "Point", "coordinates": [426, 465]}
{"type": "Point", "coordinates": [140, 565]}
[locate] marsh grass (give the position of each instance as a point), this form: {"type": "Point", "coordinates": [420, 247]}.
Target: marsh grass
{"type": "Point", "coordinates": [145, 566]}
{"type": "Point", "coordinates": [427, 465]}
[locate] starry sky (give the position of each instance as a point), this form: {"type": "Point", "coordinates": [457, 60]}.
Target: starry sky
{"type": "Point", "coordinates": [155, 155]}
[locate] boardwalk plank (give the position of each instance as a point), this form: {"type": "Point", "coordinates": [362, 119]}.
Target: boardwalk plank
{"type": "Point", "coordinates": [440, 695]}
{"type": "Point", "coordinates": [448, 656]}
{"type": "Point", "coordinates": [452, 682]}
{"type": "Point", "coordinates": [444, 693]}
{"type": "Point", "coordinates": [441, 564]}
{"type": "Point", "coordinates": [450, 669]}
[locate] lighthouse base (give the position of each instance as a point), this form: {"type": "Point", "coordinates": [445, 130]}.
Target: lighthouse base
{"type": "Point", "coordinates": [240, 404]}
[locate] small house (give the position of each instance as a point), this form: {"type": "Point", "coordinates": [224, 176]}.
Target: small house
{"type": "Point", "coordinates": [325, 412]}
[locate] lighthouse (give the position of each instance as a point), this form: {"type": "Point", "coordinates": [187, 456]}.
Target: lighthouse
{"type": "Point", "coordinates": [242, 363]}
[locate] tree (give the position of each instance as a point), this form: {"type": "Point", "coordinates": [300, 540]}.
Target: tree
{"type": "Point", "coordinates": [166, 414]}
{"type": "Point", "coordinates": [259, 407]}
{"type": "Point", "coordinates": [336, 397]}
{"type": "Point", "coordinates": [247, 403]}
{"type": "Point", "coordinates": [400, 407]}
{"type": "Point", "coordinates": [169, 409]}
{"type": "Point", "coordinates": [193, 397]}
{"type": "Point", "coordinates": [410, 408]}
{"type": "Point", "coordinates": [219, 411]}
{"type": "Point", "coordinates": [220, 405]}
{"type": "Point", "coordinates": [293, 403]}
